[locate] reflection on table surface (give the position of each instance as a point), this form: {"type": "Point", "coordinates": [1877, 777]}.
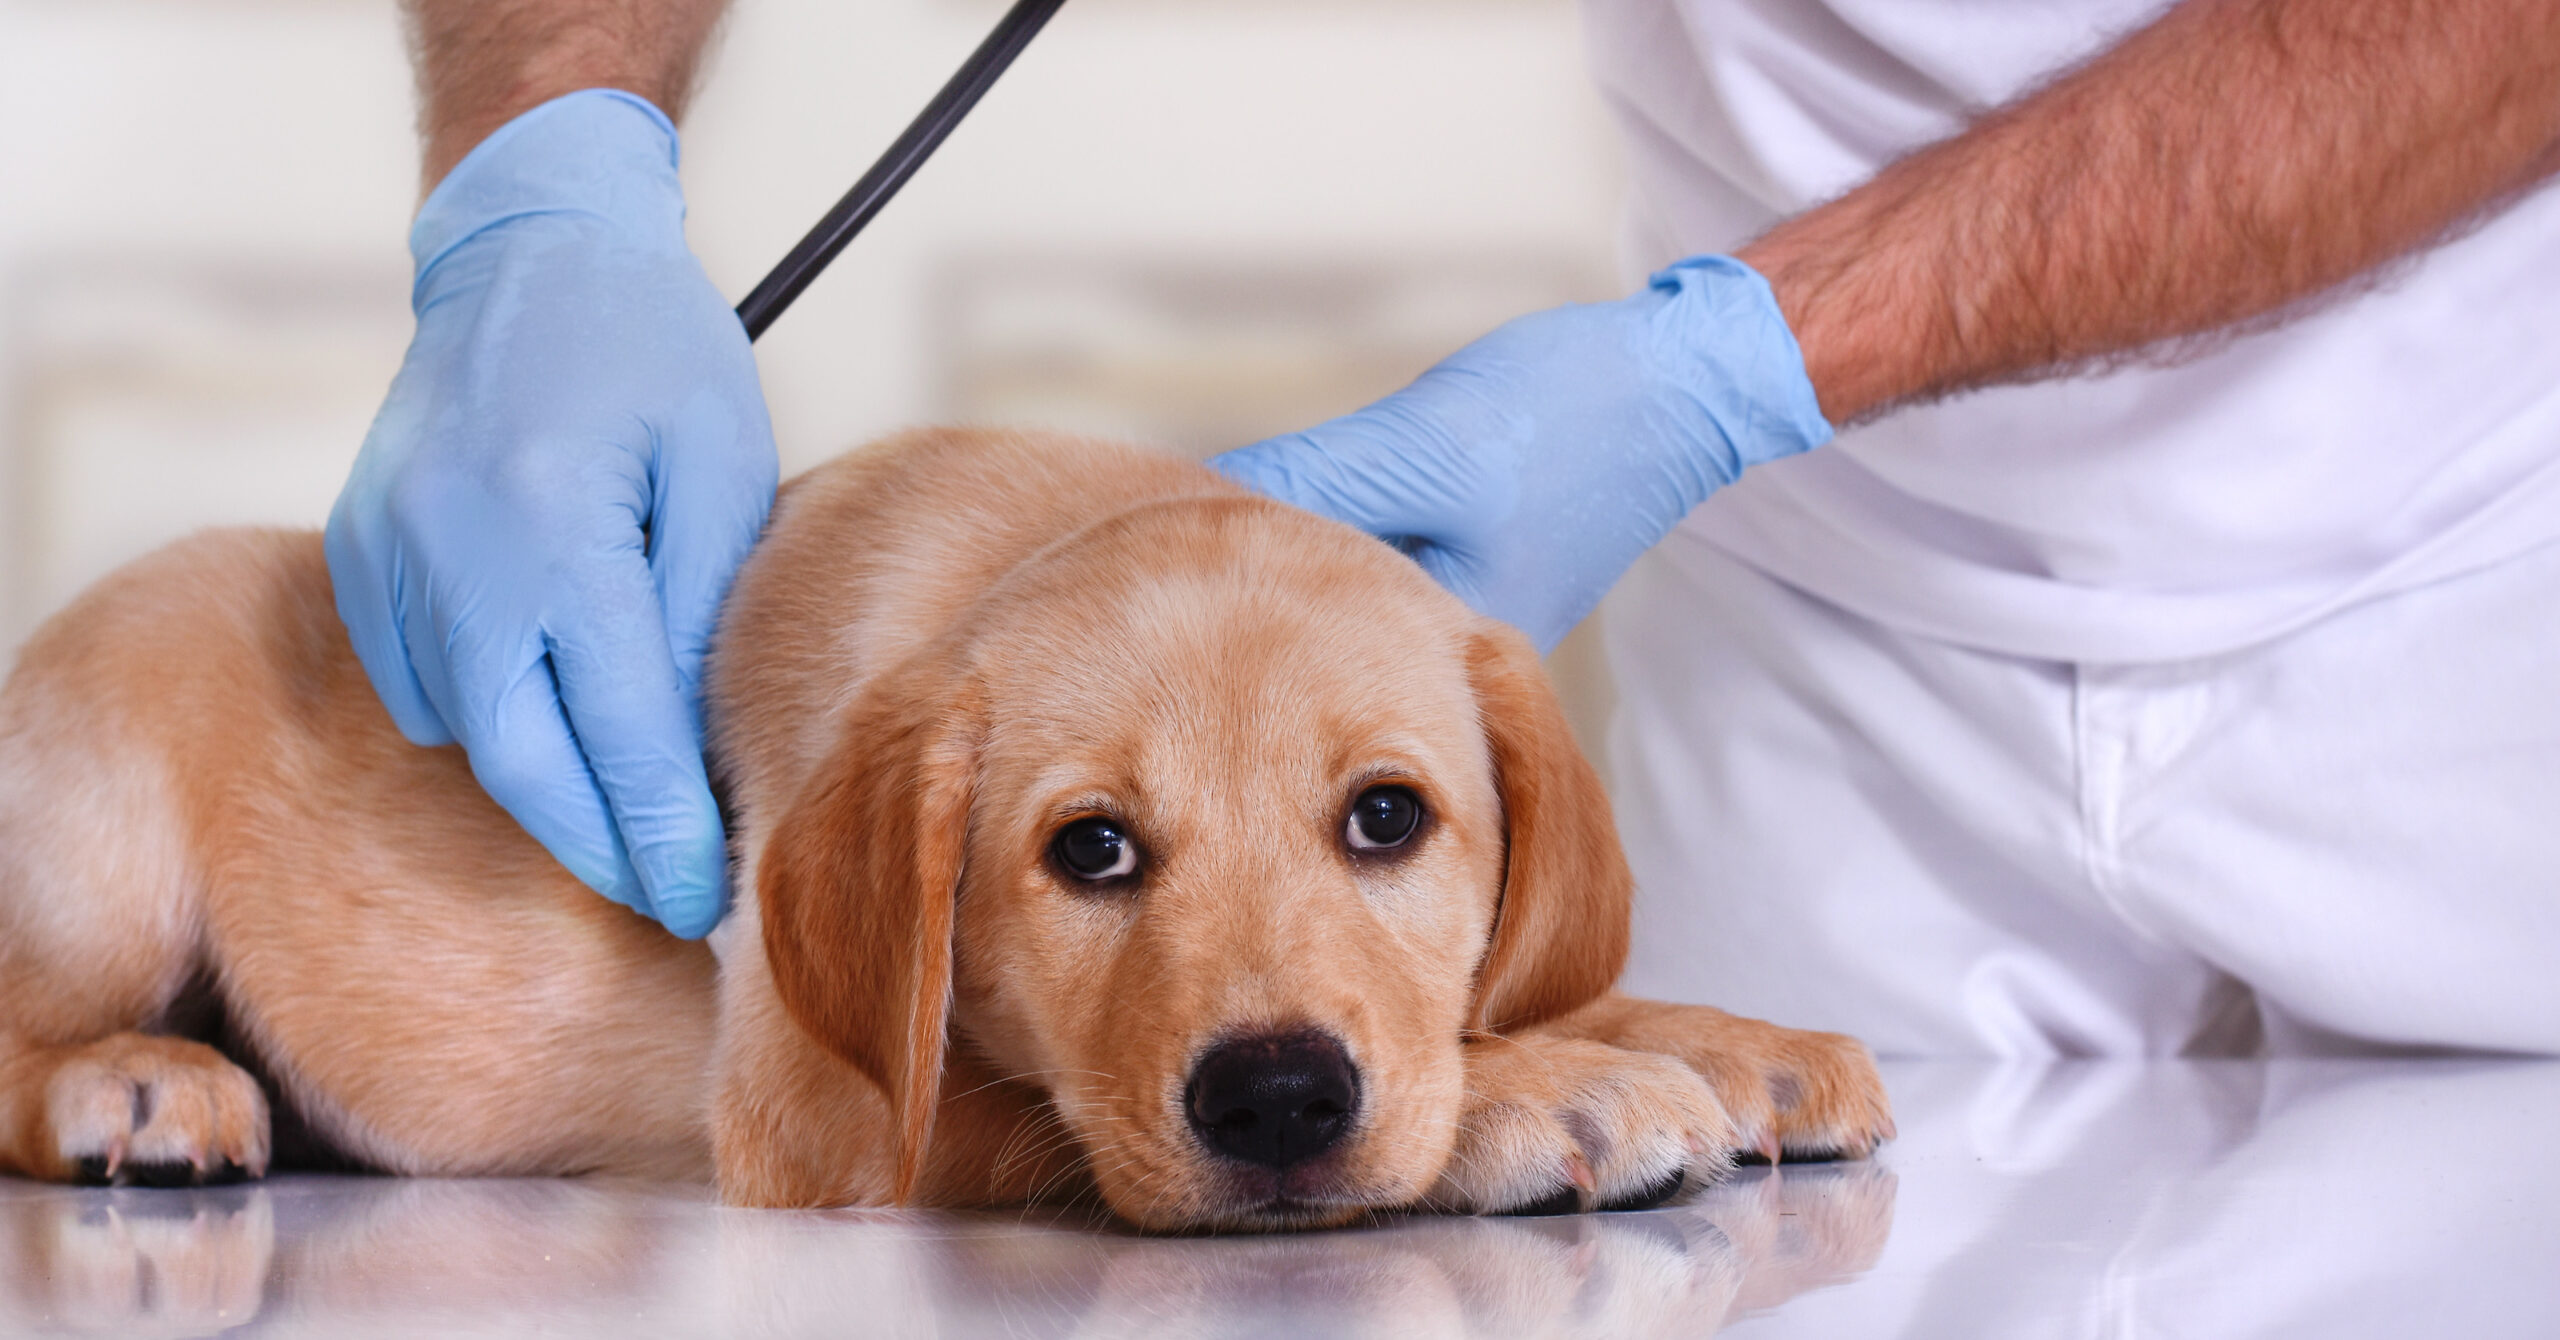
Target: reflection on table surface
{"type": "Point", "coordinates": [2329, 1198]}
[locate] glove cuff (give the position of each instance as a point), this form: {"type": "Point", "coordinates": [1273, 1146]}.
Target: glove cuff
{"type": "Point", "coordinates": [1758, 391]}
{"type": "Point", "coordinates": [600, 153]}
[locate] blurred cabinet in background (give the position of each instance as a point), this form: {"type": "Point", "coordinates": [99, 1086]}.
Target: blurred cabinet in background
{"type": "Point", "coordinates": [1205, 353]}
{"type": "Point", "coordinates": [153, 398]}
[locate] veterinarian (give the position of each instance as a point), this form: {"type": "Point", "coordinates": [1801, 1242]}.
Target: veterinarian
{"type": "Point", "coordinates": [2136, 636]}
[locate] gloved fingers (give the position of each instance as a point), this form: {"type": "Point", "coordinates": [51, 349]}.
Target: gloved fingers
{"type": "Point", "coordinates": [714, 489]}
{"type": "Point", "coordinates": [1415, 515]}
{"type": "Point", "coordinates": [1390, 469]}
{"type": "Point", "coordinates": [367, 600]}
{"type": "Point", "coordinates": [636, 726]}
{"type": "Point", "coordinates": [528, 761]}
{"type": "Point", "coordinates": [1295, 469]}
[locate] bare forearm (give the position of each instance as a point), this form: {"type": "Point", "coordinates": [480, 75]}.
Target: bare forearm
{"type": "Point", "coordinates": [481, 62]}
{"type": "Point", "coordinates": [2236, 157]}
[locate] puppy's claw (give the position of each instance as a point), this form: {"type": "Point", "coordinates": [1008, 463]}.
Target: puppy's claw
{"type": "Point", "coordinates": [1577, 1170]}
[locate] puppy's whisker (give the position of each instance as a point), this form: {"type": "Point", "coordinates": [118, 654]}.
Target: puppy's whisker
{"type": "Point", "coordinates": [1068, 1169]}
{"type": "Point", "coordinates": [1029, 1075]}
{"type": "Point", "coordinates": [1029, 1142]}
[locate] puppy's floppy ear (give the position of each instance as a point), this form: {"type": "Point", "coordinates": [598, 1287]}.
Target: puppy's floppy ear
{"type": "Point", "coordinates": [858, 889]}
{"type": "Point", "coordinates": [1560, 932]}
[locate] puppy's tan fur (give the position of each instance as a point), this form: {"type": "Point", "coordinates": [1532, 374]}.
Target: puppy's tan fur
{"type": "Point", "coordinates": [946, 647]}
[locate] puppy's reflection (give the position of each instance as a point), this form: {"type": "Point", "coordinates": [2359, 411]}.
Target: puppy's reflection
{"type": "Point", "coordinates": [136, 1262]}
{"type": "Point", "coordinates": [1805, 1228]}
{"type": "Point", "coordinates": [1744, 1247]}
{"type": "Point", "coordinates": [587, 1257]}
{"type": "Point", "coordinates": [400, 1248]}
{"type": "Point", "coordinates": [372, 1253]}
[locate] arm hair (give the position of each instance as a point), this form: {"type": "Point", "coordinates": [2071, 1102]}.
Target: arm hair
{"type": "Point", "coordinates": [482, 62]}
{"type": "Point", "coordinates": [2214, 171]}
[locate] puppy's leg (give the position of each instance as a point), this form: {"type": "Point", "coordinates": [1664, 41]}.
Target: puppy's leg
{"type": "Point", "coordinates": [1791, 1093]}
{"type": "Point", "coordinates": [83, 1095]}
{"type": "Point", "coordinates": [131, 1109]}
{"type": "Point", "coordinates": [1552, 1125]}
{"type": "Point", "coordinates": [101, 916]}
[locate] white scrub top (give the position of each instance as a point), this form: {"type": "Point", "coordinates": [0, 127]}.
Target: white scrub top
{"type": "Point", "coordinates": [2398, 435]}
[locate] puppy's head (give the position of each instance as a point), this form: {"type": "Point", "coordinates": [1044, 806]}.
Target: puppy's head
{"type": "Point", "coordinates": [1226, 826]}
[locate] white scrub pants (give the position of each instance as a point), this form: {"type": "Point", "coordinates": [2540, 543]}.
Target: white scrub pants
{"type": "Point", "coordinates": [2344, 839]}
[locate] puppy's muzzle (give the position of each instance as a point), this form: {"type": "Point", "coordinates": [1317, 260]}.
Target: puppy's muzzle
{"type": "Point", "coordinates": [1275, 1101]}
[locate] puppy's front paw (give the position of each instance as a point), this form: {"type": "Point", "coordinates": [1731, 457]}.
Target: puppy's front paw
{"type": "Point", "coordinates": [1560, 1125]}
{"type": "Point", "coordinates": [134, 1110]}
{"type": "Point", "coordinates": [1791, 1093]}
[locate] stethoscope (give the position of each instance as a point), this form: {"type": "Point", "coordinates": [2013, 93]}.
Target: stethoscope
{"type": "Point", "coordinates": [922, 137]}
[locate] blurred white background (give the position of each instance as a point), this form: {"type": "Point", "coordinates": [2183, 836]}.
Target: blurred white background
{"type": "Point", "coordinates": [1190, 221]}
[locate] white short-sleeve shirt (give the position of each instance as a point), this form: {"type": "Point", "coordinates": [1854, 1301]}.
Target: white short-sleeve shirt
{"type": "Point", "coordinates": [2398, 433]}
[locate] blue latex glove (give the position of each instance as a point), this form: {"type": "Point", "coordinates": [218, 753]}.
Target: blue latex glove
{"type": "Point", "coordinates": [1529, 469]}
{"type": "Point", "coordinates": [570, 466]}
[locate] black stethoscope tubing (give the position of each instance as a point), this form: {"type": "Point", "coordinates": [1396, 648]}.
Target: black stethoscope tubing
{"type": "Point", "coordinates": [923, 135]}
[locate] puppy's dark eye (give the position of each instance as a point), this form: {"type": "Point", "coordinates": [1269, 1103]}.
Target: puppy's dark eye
{"type": "Point", "coordinates": [1383, 816]}
{"type": "Point", "coordinates": [1095, 849]}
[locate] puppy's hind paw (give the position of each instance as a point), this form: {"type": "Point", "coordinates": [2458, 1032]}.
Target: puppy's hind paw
{"type": "Point", "coordinates": [132, 1110]}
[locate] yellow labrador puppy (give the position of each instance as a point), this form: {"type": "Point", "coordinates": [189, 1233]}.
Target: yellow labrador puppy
{"type": "Point", "coordinates": [1100, 828]}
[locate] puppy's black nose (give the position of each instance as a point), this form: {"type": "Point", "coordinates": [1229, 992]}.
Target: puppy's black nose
{"type": "Point", "coordinates": [1276, 1100]}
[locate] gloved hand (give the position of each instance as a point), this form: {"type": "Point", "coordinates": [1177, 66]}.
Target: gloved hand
{"type": "Point", "coordinates": [1529, 469]}
{"type": "Point", "coordinates": [570, 466]}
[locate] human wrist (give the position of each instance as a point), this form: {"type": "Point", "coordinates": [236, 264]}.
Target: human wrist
{"type": "Point", "coordinates": [600, 157]}
{"type": "Point", "coordinates": [1739, 364]}
{"type": "Point", "coordinates": [1865, 343]}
